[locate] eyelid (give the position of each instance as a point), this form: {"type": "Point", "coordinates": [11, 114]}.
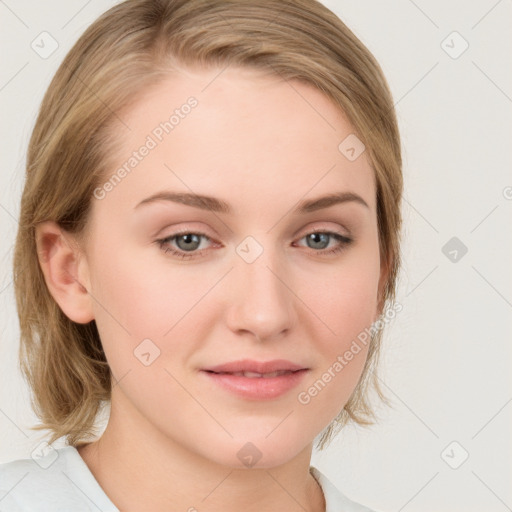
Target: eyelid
{"type": "Point", "coordinates": [193, 227]}
{"type": "Point", "coordinates": [323, 228]}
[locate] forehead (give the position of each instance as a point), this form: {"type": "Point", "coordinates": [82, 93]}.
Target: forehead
{"type": "Point", "coordinates": [236, 133]}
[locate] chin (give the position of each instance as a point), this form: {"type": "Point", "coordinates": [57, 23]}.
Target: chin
{"type": "Point", "coordinates": [255, 449]}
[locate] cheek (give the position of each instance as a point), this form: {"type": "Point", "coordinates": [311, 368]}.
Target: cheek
{"type": "Point", "coordinates": [343, 296]}
{"type": "Point", "coordinates": [349, 307]}
{"type": "Point", "coordinates": [344, 303]}
{"type": "Point", "coordinates": [139, 297]}
{"type": "Point", "coordinates": [349, 313]}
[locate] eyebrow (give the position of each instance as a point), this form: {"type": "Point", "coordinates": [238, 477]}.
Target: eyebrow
{"type": "Point", "coordinates": [218, 205]}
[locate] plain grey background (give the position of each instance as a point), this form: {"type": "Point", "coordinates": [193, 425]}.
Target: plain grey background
{"type": "Point", "coordinates": [445, 444]}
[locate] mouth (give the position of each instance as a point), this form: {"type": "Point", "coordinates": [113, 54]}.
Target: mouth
{"type": "Point", "coordinates": [256, 380]}
{"type": "Point", "coordinates": [256, 375]}
{"type": "Point", "coordinates": [256, 367]}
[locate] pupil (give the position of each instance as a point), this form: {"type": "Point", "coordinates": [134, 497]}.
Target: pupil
{"type": "Point", "coordinates": [316, 236]}
{"type": "Point", "coordinates": [188, 238]}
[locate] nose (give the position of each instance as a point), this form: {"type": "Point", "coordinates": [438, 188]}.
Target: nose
{"type": "Point", "coordinates": [262, 299]}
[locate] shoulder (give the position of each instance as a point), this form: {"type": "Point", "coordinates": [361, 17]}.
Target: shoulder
{"type": "Point", "coordinates": [335, 500]}
{"type": "Point", "coordinates": [56, 481]}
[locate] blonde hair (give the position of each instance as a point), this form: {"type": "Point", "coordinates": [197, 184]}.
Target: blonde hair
{"type": "Point", "coordinates": [128, 48]}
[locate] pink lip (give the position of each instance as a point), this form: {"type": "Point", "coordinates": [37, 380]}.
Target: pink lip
{"type": "Point", "coordinates": [257, 388]}
{"type": "Point", "coordinates": [248, 365]}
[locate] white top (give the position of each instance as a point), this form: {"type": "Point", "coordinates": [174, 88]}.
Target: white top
{"type": "Point", "coordinates": [61, 481]}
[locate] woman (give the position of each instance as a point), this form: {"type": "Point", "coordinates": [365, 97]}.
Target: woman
{"type": "Point", "coordinates": [209, 234]}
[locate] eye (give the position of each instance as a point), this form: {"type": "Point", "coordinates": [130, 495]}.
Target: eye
{"type": "Point", "coordinates": [187, 243]}
{"type": "Point", "coordinates": [320, 240]}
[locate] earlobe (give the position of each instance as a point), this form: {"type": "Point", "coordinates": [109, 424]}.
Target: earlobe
{"type": "Point", "coordinates": [65, 271]}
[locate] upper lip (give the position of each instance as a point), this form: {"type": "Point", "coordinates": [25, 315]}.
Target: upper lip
{"type": "Point", "coordinates": [248, 365]}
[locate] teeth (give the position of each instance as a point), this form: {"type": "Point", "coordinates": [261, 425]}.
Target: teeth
{"type": "Point", "coordinates": [255, 375]}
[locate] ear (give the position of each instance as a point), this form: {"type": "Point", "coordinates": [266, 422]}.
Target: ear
{"type": "Point", "coordinates": [65, 271]}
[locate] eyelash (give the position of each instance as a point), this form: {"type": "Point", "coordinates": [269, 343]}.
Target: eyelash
{"type": "Point", "coordinates": [344, 242]}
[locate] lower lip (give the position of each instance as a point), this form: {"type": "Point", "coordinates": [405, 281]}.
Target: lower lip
{"type": "Point", "coordinates": [259, 388]}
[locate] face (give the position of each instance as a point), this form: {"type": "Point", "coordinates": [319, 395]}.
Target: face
{"type": "Point", "coordinates": [230, 321]}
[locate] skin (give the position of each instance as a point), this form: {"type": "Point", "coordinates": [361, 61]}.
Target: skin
{"type": "Point", "coordinates": [261, 145]}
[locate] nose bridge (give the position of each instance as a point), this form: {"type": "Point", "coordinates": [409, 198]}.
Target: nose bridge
{"type": "Point", "coordinates": [262, 303]}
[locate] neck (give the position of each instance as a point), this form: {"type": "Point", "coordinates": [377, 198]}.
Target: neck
{"type": "Point", "coordinates": [141, 469]}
